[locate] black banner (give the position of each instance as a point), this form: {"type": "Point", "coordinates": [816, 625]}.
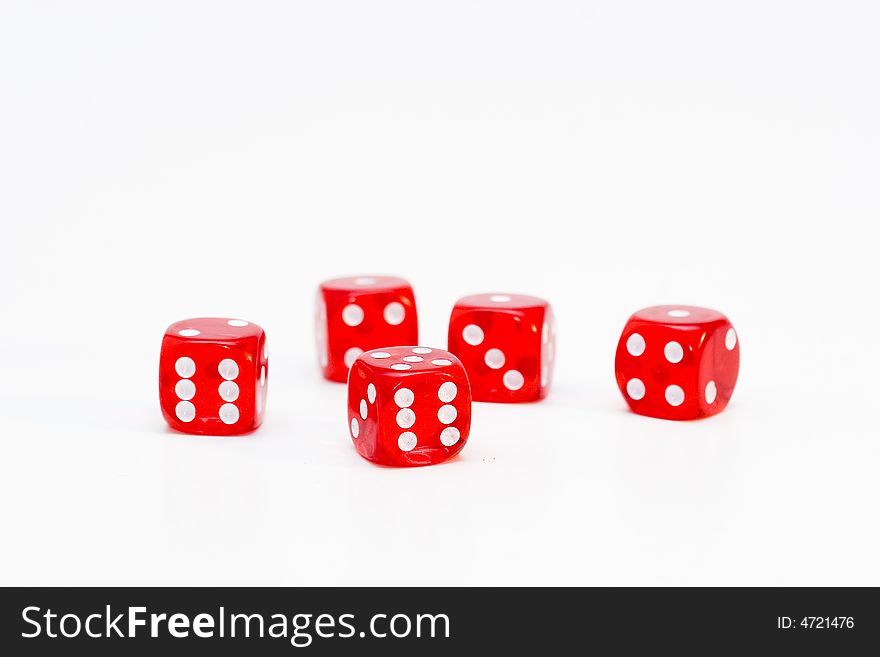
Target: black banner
{"type": "Point", "coordinates": [277, 621]}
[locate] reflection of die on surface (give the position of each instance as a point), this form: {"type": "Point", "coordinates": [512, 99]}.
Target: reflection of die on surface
{"type": "Point", "coordinates": [358, 313]}
{"type": "Point", "coordinates": [507, 344]}
{"type": "Point", "coordinates": [213, 376]}
{"type": "Point", "coordinates": [677, 362]}
{"type": "Point", "coordinates": [408, 405]}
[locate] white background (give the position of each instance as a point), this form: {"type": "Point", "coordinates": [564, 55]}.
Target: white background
{"type": "Point", "coordinates": [165, 160]}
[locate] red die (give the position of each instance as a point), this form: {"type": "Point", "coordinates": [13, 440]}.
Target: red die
{"type": "Point", "coordinates": [677, 362]}
{"type": "Point", "coordinates": [408, 406]}
{"type": "Point", "coordinates": [507, 343]}
{"type": "Point", "coordinates": [359, 313]}
{"type": "Point", "coordinates": [212, 376]}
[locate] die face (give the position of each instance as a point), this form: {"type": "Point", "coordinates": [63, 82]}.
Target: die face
{"type": "Point", "coordinates": [677, 362]}
{"type": "Point", "coordinates": [548, 351]}
{"type": "Point", "coordinates": [507, 344]}
{"type": "Point", "coordinates": [213, 376]}
{"type": "Point", "coordinates": [359, 313]}
{"type": "Point", "coordinates": [408, 406]}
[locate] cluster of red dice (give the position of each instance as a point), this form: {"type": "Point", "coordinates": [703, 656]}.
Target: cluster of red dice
{"type": "Point", "coordinates": [411, 405]}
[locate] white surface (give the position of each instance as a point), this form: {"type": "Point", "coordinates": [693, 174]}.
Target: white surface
{"type": "Point", "coordinates": [182, 159]}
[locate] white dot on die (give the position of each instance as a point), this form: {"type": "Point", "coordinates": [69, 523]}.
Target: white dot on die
{"type": "Point", "coordinates": [674, 395]}
{"type": "Point", "coordinates": [228, 369]}
{"type": "Point", "coordinates": [447, 414]}
{"type": "Point", "coordinates": [635, 344]}
{"type": "Point", "coordinates": [673, 352]}
{"type": "Point", "coordinates": [499, 298]}
{"type": "Point", "coordinates": [421, 350]}
{"type": "Point", "coordinates": [494, 358]}
{"type": "Point", "coordinates": [185, 411]}
{"type": "Point", "coordinates": [513, 380]}
{"type": "Point", "coordinates": [364, 280]}
{"type": "Point", "coordinates": [394, 313]}
{"type": "Point", "coordinates": [447, 392]}
{"type": "Point", "coordinates": [228, 391]}
{"type": "Point", "coordinates": [185, 389]}
{"type": "Point", "coordinates": [380, 354]}
{"type": "Point", "coordinates": [730, 339]}
{"type": "Point", "coordinates": [352, 314]}
{"type": "Point", "coordinates": [449, 436]}
{"type": "Point", "coordinates": [401, 367]}
{"type": "Point", "coordinates": [371, 393]}
{"type": "Point", "coordinates": [364, 408]}
{"type": "Point", "coordinates": [229, 414]}
{"type": "Point", "coordinates": [355, 428]}
{"type": "Point", "coordinates": [185, 367]}
{"type": "Point", "coordinates": [407, 441]}
{"type": "Point", "coordinates": [405, 418]}
{"type": "Point", "coordinates": [263, 376]}
{"type": "Point", "coordinates": [351, 355]}
{"type": "Point", "coordinates": [711, 392]}
{"type": "Point", "coordinates": [679, 313]}
{"type": "Point", "coordinates": [441, 362]}
{"type": "Point", "coordinates": [189, 333]}
{"type": "Point", "coordinates": [404, 397]}
{"type": "Point", "coordinates": [413, 359]}
{"type": "Point", "coordinates": [635, 388]}
{"type": "Point", "coordinates": [237, 322]}
{"type": "Point", "coordinates": [472, 334]}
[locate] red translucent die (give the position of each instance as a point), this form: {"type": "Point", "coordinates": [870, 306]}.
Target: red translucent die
{"type": "Point", "coordinates": [677, 362]}
{"type": "Point", "coordinates": [507, 343]}
{"type": "Point", "coordinates": [213, 376]}
{"type": "Point", "coordinates": [408, 405]}
{"type": "Point", "coordinates": [359, 313]}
